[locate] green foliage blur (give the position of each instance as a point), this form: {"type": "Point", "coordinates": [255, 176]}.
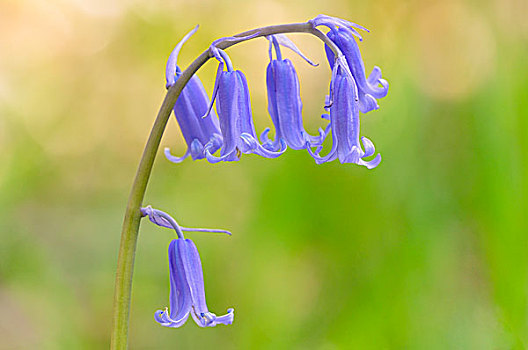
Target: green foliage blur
{"type": "Point", "coordinates": [428, 251]}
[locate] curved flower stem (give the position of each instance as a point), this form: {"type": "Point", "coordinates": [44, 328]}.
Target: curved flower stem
{"type": "Point", "coordinates": [129, 233]}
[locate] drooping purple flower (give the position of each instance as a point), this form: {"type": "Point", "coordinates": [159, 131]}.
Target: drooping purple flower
{"type": "Point", "coordinates": [187, 294]}
{"type": "Point", "coordinates": [234, 111]}
{"type": "Point", "coordinates": [191, 105]}
{"type": "Point", "coordinates": [342, 34]}
{"type": "Point", "coordinates": [344, 122]}
{"type": "Point", "coordinates": [284, 101]}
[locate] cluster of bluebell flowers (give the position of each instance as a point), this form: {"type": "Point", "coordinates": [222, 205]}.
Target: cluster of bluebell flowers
{"type": "Point", "coordinates": [230, 131]}
{"type": "Point", "coordinates": [187, 295]}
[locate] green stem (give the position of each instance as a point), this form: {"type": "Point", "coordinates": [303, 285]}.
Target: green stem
{"type": "Point", "coordinates": [129, 233]}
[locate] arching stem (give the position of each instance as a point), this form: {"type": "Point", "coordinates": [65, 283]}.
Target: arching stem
{"type": "Point", "coordinates": [129, 233]}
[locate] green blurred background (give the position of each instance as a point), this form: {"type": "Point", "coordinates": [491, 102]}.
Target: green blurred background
{"type": "Point", "coordinates": [428, 251]}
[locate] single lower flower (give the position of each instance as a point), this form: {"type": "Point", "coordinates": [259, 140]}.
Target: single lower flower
{"type": "Point", "coordinates": [187, 295]}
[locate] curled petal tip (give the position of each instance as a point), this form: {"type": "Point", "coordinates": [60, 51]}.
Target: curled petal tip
{"type": "Point", "coordinates": [368, 103]}
{"type": "Point", "coordinates": [214, 159]}
{"type": "Point", "coordinates": [197, 149]}
{"type": "Point", "coordinates": [375, 75]}
{"type": "Point", "coordinates": [174, 159]}
{"type": "Point", "coordinates": [161, 317]}
{"type": "Point", "coordinates": [249, 140]}
{"type": "Point", "coordinates": [372, 163]}
{"type": "Point", "coordinates": [226, 319]}
{"type": "Point", "coordinates": [369, 147]}
{"type": "Point", "coordinates": [264, 136]}
{"type": "Point", "coordinates": [385, 84]}
{"type": "Point", "coordinates": [255, 147]}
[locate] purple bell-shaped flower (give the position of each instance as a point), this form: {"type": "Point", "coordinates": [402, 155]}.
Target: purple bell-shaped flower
{"type": "Point", "coordinates": [284, 101]}
{"type": "Point", "coordinates": [342, 33]}
{"type": "Point", "coordinates": [187, 295]}
{"type": "Point", "coordinates": [344, 122]}
{"type": "Point", "coordinates": [191, 106]}
{"type": "Point", "coordinates": [233, 106]}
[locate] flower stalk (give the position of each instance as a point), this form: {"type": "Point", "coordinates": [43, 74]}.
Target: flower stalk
{"type": "Point", "coordinates": [129, 233]}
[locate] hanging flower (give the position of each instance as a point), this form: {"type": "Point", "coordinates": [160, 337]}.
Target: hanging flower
{"type": "Point", "coordinates": [187, 295]}
{"type": "Point", "coordinates": [284, 101]}
{"type": "Point", "coordinates": [342, 33]}
{"type": "Point", "coordinates": [344, 122]}
{"type": "Point", "coordinates": [233, 133]}
{"type": "Point", "coordinates": [191, 105]}
{"type": "Point", "coordinates": [233, 106]}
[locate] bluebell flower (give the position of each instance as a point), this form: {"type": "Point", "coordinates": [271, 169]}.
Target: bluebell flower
{"type": "Point", "coordinates": [342, 34]}
{"type": "Point", "coordinates": [284, 101]}
{"type": "Point", "coordinates": [234, 111]}
{"type": "Point", "coordinates": [344, 122]}
{"type": "Point", "coordinates": [187, 294]}
{"type": "Point", "coordinates": [191, 105]}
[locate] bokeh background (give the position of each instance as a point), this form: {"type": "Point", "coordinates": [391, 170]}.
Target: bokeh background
{"type": "Point", "coordinates": [428, 251]}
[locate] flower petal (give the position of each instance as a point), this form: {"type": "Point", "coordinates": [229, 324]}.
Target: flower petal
{"type": "Point", "coordinates": [257, 148]}
{"type": "Point", "coordinates": [347, 44]}
{"type": "Point", "coordinates": [180, 299]}
{"type": "Point", "coordinates": [193, 272]}
{"type": "Point", "coordinates": [267, 143]}
{"type": "Point", "coordinates": [328, 158]}
{"type": "Point", "coordinates": [374, 76]}
{"type": "Point", "coordinates": [285, 105]}
{"type": "Point", "coordinates": [175, 159]}
{"type": "Point", "coordinates": [229, 157]}
{"type": "Point", "coordinates": [191, 105]}
{"type": "Point", "coordinates": [227, 318]}
{"type": "Point", "coordinates": [367, 103]}
{"type": "Point", "coordinates": [372, 163]}
{"type": "Point", "coordinates": [369, 147]}
{"type": "Point", "coordinates": [162, 317]}
{"type": "Point", "coordinates": [197, 149]}
{"type": "Point", "coordinates": [211, 320]}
